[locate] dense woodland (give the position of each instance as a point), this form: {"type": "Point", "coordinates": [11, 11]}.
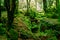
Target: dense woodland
{"type": "Point", "coordinates": [29, 19]}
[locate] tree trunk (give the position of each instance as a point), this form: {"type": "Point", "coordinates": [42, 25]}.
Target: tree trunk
{"type": "Point", "coordinates": [28, 6]}
{"type": "Point", "coordinates": [12, 11]}
{"type": "Point", "coordinates": [0, 14]}
{"type": "Point", "coordinates": [57, 4]}
{"type": "Point", "coordinates": [0, 11]}
{"type": "Point", "coordinates": [10, 7]}
{"type": "Point", "coordinates": [44, 5]}
{"type": "Point", "coordinates": [7, 6]}
{"type": "Point", "coordinates": [36, 3]}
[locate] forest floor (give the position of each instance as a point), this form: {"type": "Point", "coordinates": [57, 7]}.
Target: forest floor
{"type": "Point", "coordinates": [20, 25]}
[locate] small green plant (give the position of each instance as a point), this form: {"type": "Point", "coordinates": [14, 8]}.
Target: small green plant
{"type": "Point", "coordinates": [13, 34]}
{"type": "Point", "coordinates": [2, 29]}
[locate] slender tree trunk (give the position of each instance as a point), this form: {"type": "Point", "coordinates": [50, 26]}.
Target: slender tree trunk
{"type": "Point", "coordinates": [57, 4]}
{"type": "Point", "coordinates": [45, 5]}
{"type": "Point", "coordinates": [0, 14]}
{"type": "Point", "coordinates": [0, 11]}
{"type": "Point", "coordinates": [29, 3]}
{"type": "Point", "coordinates": [36, 3]}
{"type": "Point", "coordinates": [17, 4]}
{"type": "Point", "coordinates": [28, 6]}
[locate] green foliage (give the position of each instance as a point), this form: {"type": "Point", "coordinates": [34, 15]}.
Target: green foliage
{"type": "Point", "coordinates": [2, 2]}
{"type": "Point", "coordinates": [25, 34]}
{"type": "Point", "coordinates": [35, 14]}
{"type": "Point", "coordinates": [52, 38]}
{"type": "Point", "coordinates": [13, 34]}
{"type": "Point", "coordinates": [2, 29]}
{"type": "Point", "coordinates": [36, 24]}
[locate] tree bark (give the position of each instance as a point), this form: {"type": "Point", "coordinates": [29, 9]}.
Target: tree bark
{"type": "Point", "coordinates": [28, 6]}
{"type": "Point", "coordinates": [57, 4]}
{"type": "Point", "coordinates": [0, 14]}
{"type": "Point", "coordinates": [10, 7]}
{"type": "Point", "coordinates": [45, 5]}
{"type": "Point", "coordinates": [0, 11]}
{"type": "Point", "coordinates": [36, 3]}
{"type": "Point", "coordinates": [12, 11]}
